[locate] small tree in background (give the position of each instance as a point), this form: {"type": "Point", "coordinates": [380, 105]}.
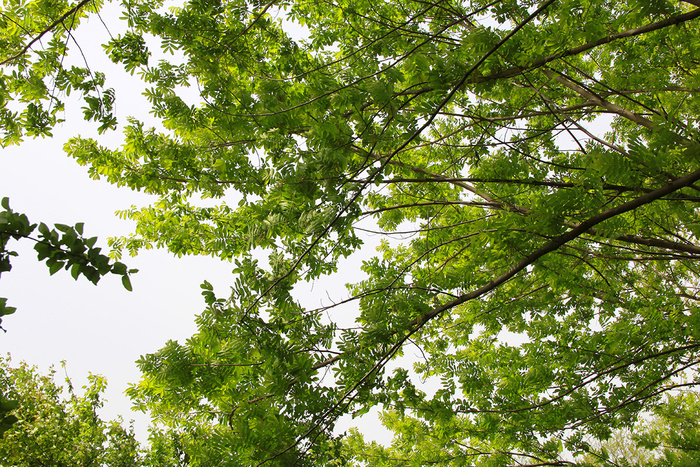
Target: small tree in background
{"type": "Point", "coordinates": [56, 426]}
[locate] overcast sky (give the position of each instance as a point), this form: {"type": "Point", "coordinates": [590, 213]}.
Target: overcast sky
{"type": "Point", "coordinates": [103, 329]}
{"type": "Point", "coordinates": [100, 329]}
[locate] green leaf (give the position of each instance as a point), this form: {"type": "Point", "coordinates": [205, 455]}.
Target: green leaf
{"type": "Point", "coordinates": [75, 270]}
{"type": "Point", "coordinates": [119, 268]}
{"type": "Point", "coordinates": [54, 267]}
{"type": "Point", "coordinates": [44, 230]}
{"type": "Point", "coordinates": [4, 309]}
{"type": "Point", "coordinates": [6, 406]}
{"type": "Point", "coordinates": [126, 282]}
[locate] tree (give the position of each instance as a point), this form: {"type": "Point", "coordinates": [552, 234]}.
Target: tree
{"type": "Point", "coordinates": [55, 426]}
{"type": "Point", "coordinates": [533, 166]}
{"type": "Point", "coordinates": [35, 35]}
{"type": "Point", "coordinates": [675, 431]}
{"type": "Point", "coordinates": [54, 431]}
{"type": "Point", "coordinates": [669, 436]}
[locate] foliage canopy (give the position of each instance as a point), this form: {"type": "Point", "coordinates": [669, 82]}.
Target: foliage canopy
{"type": "Point", "coordinates": [532, 166]}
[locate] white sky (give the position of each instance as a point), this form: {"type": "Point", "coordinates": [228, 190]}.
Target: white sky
{"type": "Point", "coordinates": [104, 329]}
{"type": "Point", "coordinates": [101, 329]}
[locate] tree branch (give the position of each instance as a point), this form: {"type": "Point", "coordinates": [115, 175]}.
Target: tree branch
{"type": "Point", "coordinates": [591, 97]}
{"type": "Point", "coordinates": [557, 242]}
{"type": "Point", "coordinates": [45, 31]}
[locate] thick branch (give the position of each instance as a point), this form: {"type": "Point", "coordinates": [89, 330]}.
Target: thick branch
{"type": "Point", "coordinates": [559, 241]}
{"type": "Point", "coordinates": [656, 242]}
{"type": "Point", "coordinates": [674, 20]}
{"type": "Point", "coordinates": [592, 97]}
{"type": "Point", "coordinates": [494, 204]}
{"type": "Point", "coordinates": [518, 70]}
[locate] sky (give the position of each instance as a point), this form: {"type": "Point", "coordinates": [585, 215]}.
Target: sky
{"type": "Point", "coordinates": [101, 329]}
{"type": "Point", "coordinates": [104, 329]}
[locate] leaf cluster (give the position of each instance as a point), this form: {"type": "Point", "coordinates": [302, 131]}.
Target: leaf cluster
{"type": "Point", "coordinates": [34, 37]}
{"type": "Point", "coordinates": [63, 247]}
